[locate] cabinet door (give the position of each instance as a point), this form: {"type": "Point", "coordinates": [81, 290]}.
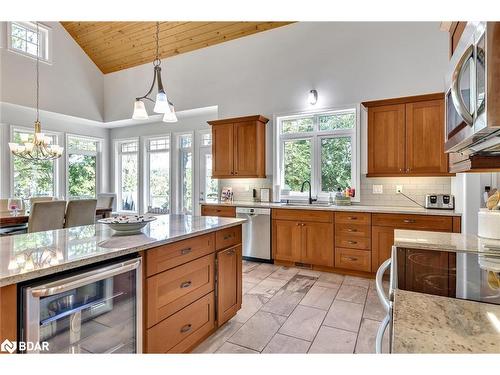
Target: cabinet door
{"type": "Point", "coordinates": [317, 244]}
{"type": "Point", "coordinates": [286, 240]}
{"type": "Point", "coordinates": [229, 284]}
{"type": "Point", "coordinates": [222, 150]}
{"type": "Point", "coordinates": [386, 140]}
{"type": "Point", "coordinates": [382, 241]}
{"type": "Point", "coordinates": [428, 271]}
{"type": "Point", "coordinates": [425, 138]}
{"type": "Point", "coordinates": [248, 149]}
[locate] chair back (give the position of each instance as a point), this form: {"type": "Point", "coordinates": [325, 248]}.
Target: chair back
{"type": "Point", "coordinates": [80, 212]}
{"type": "Point", "coordinates": [40, 199]}
{"type": "Point", "coordinates": [48, 215]}
{"type": "Point", "coordinates": [106, 200]}
{"type": "Point", "coordinates": [4, 206]}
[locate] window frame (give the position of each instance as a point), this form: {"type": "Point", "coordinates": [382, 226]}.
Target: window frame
{"type": "Point", "coordinates": [147, 163]}
{"type": "Point", "coordinates": [118, 172]}
{"type": "Point", "coordinates": [202, 149]}
{"type": "Point", "coordinates": [97, 154]}
{"type": "Point", "coordinates": [45, 36]}
{"type": "Point", "coordinates": [179, 171]}
{"type": "Point", "coordinates": [316, 137]}
{"type": "Point", "coordinates": [57, 167]}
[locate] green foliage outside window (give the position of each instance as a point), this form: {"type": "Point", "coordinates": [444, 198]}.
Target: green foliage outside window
{"type": "Point", "coordinates": [297, 163]}
{"type": "Point", "coordinates": [336, 159]}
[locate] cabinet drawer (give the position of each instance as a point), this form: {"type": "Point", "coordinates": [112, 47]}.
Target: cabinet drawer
{"type": "Point", "coordinates": [352, 259]}
{"type": "Point", "coordinates": [353, 230]}
{"type": "Point", "coordinates": [228, 237]}
{"type": "Point", "coordinates": [353, 242]}
{"type": "Point", "coordinates": [172, 290]}
{"type": "Point", "coordinates": [223, 211]}
{"type": "Point", "coordinates": [416, 222]}
{"type": "Point", "coordinates": [303, 215]}
{"type": "Point", "coordinates": [353, 218]}
{"type": "Point", "coordinates": [181, 331]}
{"type": "Point", "coordinates": [168, 256]}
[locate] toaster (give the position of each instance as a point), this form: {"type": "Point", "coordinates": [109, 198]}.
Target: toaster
{"type": "Point", "coordinates": [440, 201]}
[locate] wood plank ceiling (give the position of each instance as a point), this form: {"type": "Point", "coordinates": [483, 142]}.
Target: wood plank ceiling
{"type": "Point", "coordinates": [114, 46]}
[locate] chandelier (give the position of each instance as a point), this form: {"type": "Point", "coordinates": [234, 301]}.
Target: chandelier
{"type": "Point", "coordinates": [38, 148]}
{"type": "Point", "coordinates": [162, 104]}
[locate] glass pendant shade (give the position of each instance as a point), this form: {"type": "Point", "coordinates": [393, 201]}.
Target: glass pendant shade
{"type": "Point", "coordinates": [170, 116]}
{"type": "Point", "coordinates": [161, 104]}
{"type": "Point", "coordinates": [139, 111]}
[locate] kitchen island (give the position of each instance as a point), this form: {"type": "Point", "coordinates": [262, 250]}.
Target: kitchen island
{"type": "Point", "coordinates": [179, 254]}
{"type": "Point", "coordinates": [446, 296]}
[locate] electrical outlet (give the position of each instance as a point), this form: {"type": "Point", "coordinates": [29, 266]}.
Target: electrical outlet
{"type": "Point", "coordinates": [399, 189]}
{"type": "Point", "coordinates": [378, 189]}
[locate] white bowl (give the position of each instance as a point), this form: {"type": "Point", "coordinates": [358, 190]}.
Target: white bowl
{"type": "Point", "coordinates": [127, 224]}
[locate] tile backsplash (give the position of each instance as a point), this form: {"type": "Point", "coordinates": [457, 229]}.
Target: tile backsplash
{"type": "Point", "coordinates": [414, 187]}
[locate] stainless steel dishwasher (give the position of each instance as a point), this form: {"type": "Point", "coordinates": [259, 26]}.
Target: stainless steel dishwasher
{"type": "Point", "coordinates": [256, 233]}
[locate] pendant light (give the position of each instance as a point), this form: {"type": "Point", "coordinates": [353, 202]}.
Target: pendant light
{"type": "Point", "coordinates": [162, 104]}
{"type": "Point", "coordinates": [39, 149]}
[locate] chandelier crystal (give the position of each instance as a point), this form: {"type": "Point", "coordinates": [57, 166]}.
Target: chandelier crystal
{"type": "Point", "coordinates": [38, 148]}
{"type": "Point", "coordinates": [161, 104]}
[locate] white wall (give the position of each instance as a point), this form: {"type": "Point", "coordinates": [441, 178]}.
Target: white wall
{"type": "Point", "coordinates": [271, 72]}
{"type": "Point", "coordinates": [71, 85]}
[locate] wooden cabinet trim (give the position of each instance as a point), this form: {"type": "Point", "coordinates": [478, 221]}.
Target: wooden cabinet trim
{"type": "Point", "coordinates": [414, 222]}
{"type": "Point", "coordinates": [403, 100]}
{"type": "Point", "coordinates": [302, 215]}
{"type": "Point", "coordinates": [220, 210]}
{"type": "Point", "coordinates": [259, 118]}
{"type": "Point", "coordinates": [353, 218]}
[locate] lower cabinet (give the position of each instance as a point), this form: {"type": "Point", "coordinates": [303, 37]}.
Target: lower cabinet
{"type": "Point", "coordinates": [303, 242]}
{"type": "Point", "coordinates": [427, 271]}
{"type": "Point", "coordinates": [186, 300]}
{"type": "Point", "coordinates": [382, 241]}
{"type": "Point", "coordinates": [229, 281]}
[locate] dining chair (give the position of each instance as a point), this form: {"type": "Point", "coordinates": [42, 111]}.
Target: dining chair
{"type": "Point", "coordinates": [48, 215]}
{"type": "Point", "coordinates": [40, 199]}
{"type": "Point", "coordinates": [106, 200]}
{"type": "Point", "coordinates": [80, 212]}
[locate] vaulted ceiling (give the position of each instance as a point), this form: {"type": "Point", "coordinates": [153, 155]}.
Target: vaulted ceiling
{"type": "Point", "coordinates": [115, 46]}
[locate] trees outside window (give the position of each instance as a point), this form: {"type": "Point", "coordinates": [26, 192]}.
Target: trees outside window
{"type": "Point", "coordinates": [185, 142]}
{"type": "Point", "coordinates": [158, 174]}
{"type": "Point", "coordinates": [320, 148]}
{"type": "Point", "coordinates": [32, 178]}
{"type": "Point", "coordinates": [128, 175]}
{"type": "Point", "coordinates": [82, 167]}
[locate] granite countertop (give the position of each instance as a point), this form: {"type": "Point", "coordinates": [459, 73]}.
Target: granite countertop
{"type": "Point", "coordinates": [29, 256]}
{"type": "Point", "coordinates": [453, 242]}
{"type": "Point", "coordinates": [353, 207]}
{"type": "Point", "coordinates": [424, 323]}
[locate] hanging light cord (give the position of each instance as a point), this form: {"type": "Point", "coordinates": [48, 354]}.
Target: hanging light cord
{"type": "Point", "coordinates": [37, 72]}
{"type": "Point", "coordinates": [157, 61]}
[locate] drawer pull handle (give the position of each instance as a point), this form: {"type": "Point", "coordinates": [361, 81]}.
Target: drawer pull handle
{"type": "Point", "coordinates": [186, 328]}
{"type": "Point", "coordinates": [218, 210]}
{"type": "Point", "coordinates": [352, 217]}
{"type": "Point", "coordinates": [185, 284]}
{"type": "Point", "coordinates": [409, 221]}
{"type": "Point", "coordinates": [185, 251]}
{"type": "Point", "coordinates": [227, 237]}
{"type": "Point", "coordinates": [352, 259]}
{"type": "Point", "coordinates": [351, 230]}
{"type": "Point", "coordinates": [352, 242]}
{"type": "Point", "coordinates": [230, 252]}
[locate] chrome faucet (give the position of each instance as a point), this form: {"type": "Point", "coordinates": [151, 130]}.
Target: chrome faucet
{"type": "Point", "coordinates": [311, 200]}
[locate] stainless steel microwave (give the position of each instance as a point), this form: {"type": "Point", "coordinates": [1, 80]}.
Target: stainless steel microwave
{"type": "Point", "coordinates": [473, 95]}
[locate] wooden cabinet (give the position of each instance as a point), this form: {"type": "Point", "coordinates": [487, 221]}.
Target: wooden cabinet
{"type": "Point", "coordinates": [384, 225]}
{"type": "Point", "coordinates": [239, 147]}
{"type": "Point", "coordinates": [427, 271]}
{"type": "Point", "coordinates": [229, 281]}
{"type": "Point", "coordinates": [406, 137]}
{"type": "Point", "coordinates": [456, 29]}
{"type": "Point", "coordinates": [386, 134]}
{"type": "Point", "coordinates": [218, 210]}
{"type": "Point", "coordinates": [303, 236]}
{"type": "Point", "coordinates": [424, 138]}
{"type": "Point", "coordinates": [353, 241]}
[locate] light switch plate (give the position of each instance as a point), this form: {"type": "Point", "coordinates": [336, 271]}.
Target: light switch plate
{"type": "Point", "coordinates": [378, 189]}
{"type": "Point", "coordinates": [399, 189]}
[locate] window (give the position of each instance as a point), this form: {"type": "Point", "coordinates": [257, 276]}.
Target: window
{"type": "Point", "coordinates": [158, 174]}
{"type": "Point", "coordinates": [320, 148]}
{"type": "Point", "coordinates": [128, 175]}
{"type": "Point", "coordinates": [185, 142]}
{"type": "Point", "coordinates": [23, 39]}
{"type": "Point", "coordinates": [209, 187]}
{"type": "Point", "coordinates": [82, 169]}
{"type": "Point", "coordinates": [30, 178]}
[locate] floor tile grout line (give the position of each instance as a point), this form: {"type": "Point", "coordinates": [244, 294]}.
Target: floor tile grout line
{"type": "Point", "coordinates": [360, 321]}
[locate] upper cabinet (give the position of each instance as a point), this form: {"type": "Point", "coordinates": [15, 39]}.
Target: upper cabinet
{"type": "Point", "coordinates": [405, 137]}
{"type": "Point", "coordinates": [239, 147]}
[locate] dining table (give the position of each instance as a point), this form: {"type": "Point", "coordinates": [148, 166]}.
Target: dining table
{"type": "Point", "coordinates": [9, 220]}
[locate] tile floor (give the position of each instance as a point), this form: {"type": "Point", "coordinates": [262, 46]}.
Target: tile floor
{"type": "Point", "coordinates": [292, 310]}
